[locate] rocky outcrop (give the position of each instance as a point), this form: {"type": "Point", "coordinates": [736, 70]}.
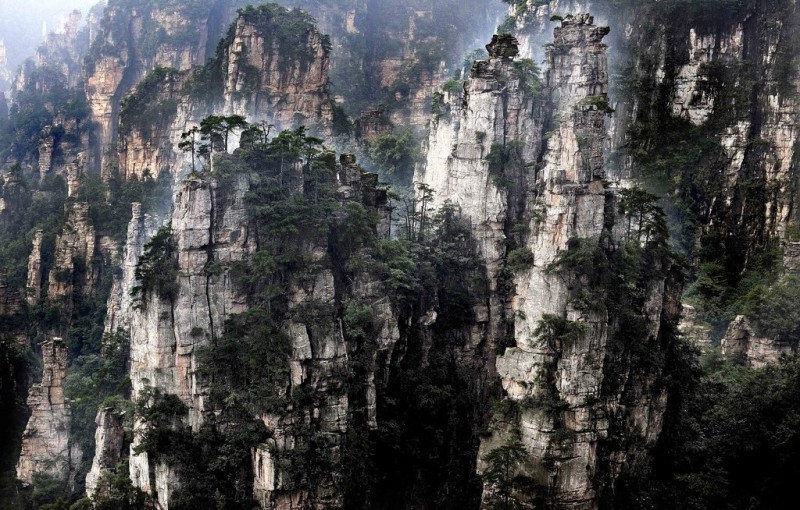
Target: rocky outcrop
{"type": "Point", "coordinates": [141, 229]}
{"type": "Point", "coordinates": [3, 106]}
{"type": "Point", "coordinates": [270, 78]}
{"type": "Point", "coordinates": [5, 74]}
{"type": "Point", "coordinates": [532, 21]}
{"type": "Point", "coordinates": [694, 330]}
{"type": "Point", "coordinates": [63, 151]}
{"type": "Point", "coordinates": [63, 49]}
{"type": "Point", "coordinates": [265, 79]}
{"type": "Point", "coordinates": [208, 226]}
{"type": "Point", "coordinates": [10, 302]}
{"type": "Point", "coordinates": [550, 183]}
{"type": "Point", "coordinates": [34, 283]}
{"type": "Point", "coordinates": [495, 110]}
{"type": "Point", "coordinates": [131, 42]}
{"type": "Point", "coordinates": [322, 351]}
{"type": "Point", "coordinates": [46, 447]}
{"type": "Point", "coordinates": [211, 229]}
{"type": "Point", "coordinates": [109, 440]}
{"type": "Point", "coordinates": [741, 340]}
{"type": "Point", "coordinates": [74, 257]}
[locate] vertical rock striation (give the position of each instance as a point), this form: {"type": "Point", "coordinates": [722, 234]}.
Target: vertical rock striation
{"type": "Point", "coordinates": [268, 80]}
{"type": "Point", "coordinates": [109, 440]}
{"type": "Point", "coordinates": [208, 226]}
{"type": "Point", "coordinates": [46, 447]}
{"type": "Point", "coordinates": [547, 195]}
{"type": "Point", "coordinates": [74, 257]}
{"type": "Point", "coordinates": [34, 283]}
{"type": "Point", "coordinates": [261, 72]}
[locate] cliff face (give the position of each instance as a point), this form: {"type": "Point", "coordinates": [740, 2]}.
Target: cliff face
{"type": "Point", "coordinates": [64, 49]}
{"type": "Point", "coordinates": [5, 74]}
{"type": "Point", "coordinates": [212, 231]}
{"type": "Point", "coordinates": [75, 245]}
{"type": "Point", "coordinates": [132, 40]}
{"type": "Point", "coordinates": [553, 192]}
{"type": "Point", "coordinates": [263, 71]}
{"type": "Point", "coordinates": [46, 447]}
{"type": "Point", "coordinates": [283, 86]}
{"type": "Point", "coordinates": [208, 227]}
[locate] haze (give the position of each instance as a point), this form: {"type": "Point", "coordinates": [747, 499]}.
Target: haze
{"type": "Point", "coordinates": [21, 23]}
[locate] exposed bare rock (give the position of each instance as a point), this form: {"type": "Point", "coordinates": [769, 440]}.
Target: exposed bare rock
{"type": "Point", "coordinates": [742, 340]}
{"type": "Point", "coordinates": [791, 257]}
{"type": "Point", "coordinates": [63, 49]}
{"type": "Point", "coordinates": [3, 106]}
{"type": "Point", "coordinates": [46, 446]}
{"type": "Point", "coordinates": [266, 82]}
{"type": "Point", "coordinates": [263, 82]}
{"type": "Point", "coordinates": [109, 441]}
{"type": "Point", "coordinates": [372, 124]}
{"type": "Point", "coordinates": [321, 353]}
{"type": "Point", "coordinates": [177, 37]}
{"type": "Point", "coordinates": [34, 284]}
{"type": "Point", "coordinates": [208, 227]}
{"type": "Point", "coordinates": [696, 332]}
{"type": "Point", "coordinates": [562, 197]}
{"type": "Point", "coordinates": [10, 302]}
{"type": "Point", "coordinates": [76, 243]}
{"type": "Point", "coordinates": [141, 229]}
{"type": "Point", "coordinates": [5, 74]}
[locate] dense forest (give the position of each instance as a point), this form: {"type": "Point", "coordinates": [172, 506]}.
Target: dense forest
{"type": "Point", "coordinates": [373, 254]}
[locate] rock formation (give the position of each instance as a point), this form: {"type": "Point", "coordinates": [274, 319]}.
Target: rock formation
{"type": "Point", "coordinates": [272, 79]}
{"type": "Point", "coordinates": [109, 446]}
{"type": "Point", "coordinates": [132, 42]}
{"type": "Point", "coordinates": [211, 228]}
{"type": "Point", "coordinates": [5, 75]}
{"type": "Point", "coordinates": [75, 245]}
{"type": "Point", "coordinates": [64, 49]}
{"type": "Point", "coordinates": [34, 284]}
{"type": "Point", "coordinates": [561, 199]}
{"type": "Point", "coordinates": [46, 447]}
{"type": "Point", "coordinates": [267, 80]}
{"type": "Point", "coordinates": [742, 341]}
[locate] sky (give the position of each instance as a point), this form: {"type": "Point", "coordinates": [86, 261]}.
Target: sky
{"type": "Point", "coordinates": [21, 23]}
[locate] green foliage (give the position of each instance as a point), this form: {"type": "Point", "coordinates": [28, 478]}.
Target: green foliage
{"type": "Point", "coordinates": [520, 259]}
{"type": "Point", "coordinates": [506, 164]}
{"type": "Point", "coordinates": [509, 488]}
{"type": "Point", "coordinates": [342, 125]}
{"type": "Point", "coordinates": [640, 209]}
{"type": "Point", "coordinates": [558, 333]}
{"type": "Point", "coordinates": [469, 60]}
{"type": "Point", "coordinates": [116, 492]}
{"type": "Point", "coordinates": [91, 379]}
{"type": "Point", "coordinates": [730, 439]}
{"type": "Point", "coordinates": [247, 366]}
{"type": "Point", "coordinates": [110, 199]}
{"type": "Point", "coordinates": [774, 310]}
{"type": "Point", "coordinates": [453, 86]}
{"type": "Point", "coordinates": [48, 492]}
{"type": "Point", "coordinates": [599, 103]}
{"type": "Point", "coordinates": [396, 155]}
{"type": "Point", "coordinates": [145, 109]}
{"type": "Point", "coordinates": [217, 128]}
{"type": "Point", "coordinates": [285, 29]}
{"type": "Point", "coordinates": [43, 96]}
{"type": "Point", "coordinates": [214, 464]}
{"type": "Point", "coordinates": [157, 270]}
{"type": "Point", "coordinates": [530, 77]}
{"type": "Point", "coordinates": [31, 206]}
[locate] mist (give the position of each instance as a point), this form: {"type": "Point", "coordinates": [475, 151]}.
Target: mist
{"type": "Point", "coordinates": [22, 22]}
